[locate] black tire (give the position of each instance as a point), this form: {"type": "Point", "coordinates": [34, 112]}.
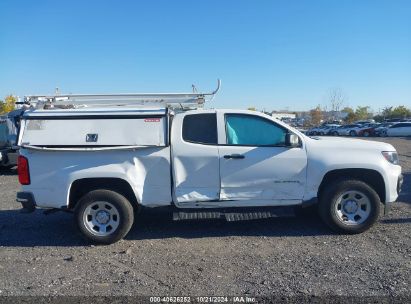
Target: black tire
{"type": "Point", "coordinates": [353, 133]}
{"type": "Point", "coordinates": [335, 133]}
{"type": "Point", "coordinates": [122, 206]}
{"type": "Point", "coordinates": [366, 134]}
{"type": "Point", "coordinates": [328, 201]}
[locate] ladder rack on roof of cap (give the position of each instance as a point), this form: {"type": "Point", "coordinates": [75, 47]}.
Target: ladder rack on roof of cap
{"type": "Point", "coordinates": [171, 100]}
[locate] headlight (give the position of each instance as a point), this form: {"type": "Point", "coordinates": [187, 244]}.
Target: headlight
{"type": "Point", "coordinates": [391, 156]}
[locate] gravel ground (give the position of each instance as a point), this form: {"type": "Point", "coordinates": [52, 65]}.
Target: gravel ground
{"type": "Point", "coordinates": [45, 255]}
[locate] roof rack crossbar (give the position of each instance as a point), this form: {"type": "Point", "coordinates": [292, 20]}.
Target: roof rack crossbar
{"type": "Point", "coordinates": [165, 99]}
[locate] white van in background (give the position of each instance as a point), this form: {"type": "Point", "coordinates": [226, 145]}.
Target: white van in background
{"type": "Point", "coordinates": [400, 129]}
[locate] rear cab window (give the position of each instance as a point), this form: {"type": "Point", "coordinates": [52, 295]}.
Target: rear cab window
{"type": "Point", "coordinates": [200, 128]}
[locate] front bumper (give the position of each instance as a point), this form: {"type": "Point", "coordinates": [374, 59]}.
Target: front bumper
{"type": "Point", "coordinates": [27, 201]}
{"type": "Point", "coordinates": [387, 205]}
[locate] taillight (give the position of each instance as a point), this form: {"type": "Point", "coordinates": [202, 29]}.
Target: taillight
{"type": "Point", "coordinates": [23, 170]}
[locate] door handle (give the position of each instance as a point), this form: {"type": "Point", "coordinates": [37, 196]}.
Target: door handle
{"type": "Point", "coordinates": [235, 156]}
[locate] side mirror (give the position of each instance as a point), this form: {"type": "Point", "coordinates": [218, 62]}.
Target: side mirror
{"type": "Point", "coordinates": [292, 140]}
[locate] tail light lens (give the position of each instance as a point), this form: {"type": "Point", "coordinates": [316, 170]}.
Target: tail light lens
{"type": "Point", "coordinates": [23, 170]}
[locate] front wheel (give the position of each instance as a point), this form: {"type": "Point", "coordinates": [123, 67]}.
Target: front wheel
{"type": "Point", "coordinates": [352, 133]}
{"type": "Point", "coordinates": [349, 206]}
{"type": "Point", "coordinates": [104, 216]}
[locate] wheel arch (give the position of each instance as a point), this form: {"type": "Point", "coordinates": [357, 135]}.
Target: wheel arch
{"type": "Point", "coordinates": [369, 176]}
{"type": "Point", "coordinates": [82, 186]}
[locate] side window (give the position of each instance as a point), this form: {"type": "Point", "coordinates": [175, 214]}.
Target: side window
{"type": "Point", "coordinates": [200, 128]}
{"type": "Point", "coordinates": [248, 130]}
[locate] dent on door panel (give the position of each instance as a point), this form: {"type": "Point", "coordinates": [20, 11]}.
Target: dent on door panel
{"type": "Point", "coordinates": [196, 179]}
{"type": "Point", "coordinates": [264, 173]}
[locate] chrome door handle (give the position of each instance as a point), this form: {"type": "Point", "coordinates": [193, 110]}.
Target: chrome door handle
{"type": "Point", "coordinates": [234, 156]}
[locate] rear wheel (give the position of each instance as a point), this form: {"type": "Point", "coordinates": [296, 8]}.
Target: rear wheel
{"type": "Point", "coordinates": [335, 133]}
{"type": "Point", "coordinates": [104, 216]}
{"type": "Point", "coordinates": [352, 133]}
{"type": "Point", "coordinates": [349, 206]}
{"type": "Point", "coordinates": [366, 133]}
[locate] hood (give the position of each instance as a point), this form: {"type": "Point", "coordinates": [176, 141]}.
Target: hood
{"type": "Point", "coordinates": [351, 143]}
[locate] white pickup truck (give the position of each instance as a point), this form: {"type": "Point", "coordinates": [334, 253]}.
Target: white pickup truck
{"type": "Point", "coordinates": [104, 162]}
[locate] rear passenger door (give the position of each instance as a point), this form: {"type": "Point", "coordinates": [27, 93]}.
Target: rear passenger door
{"type": "Point", "coordinates": [195, 158]}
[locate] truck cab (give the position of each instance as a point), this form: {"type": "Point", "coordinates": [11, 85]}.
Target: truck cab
{"type": "Point", "coordinates": [227, 158]}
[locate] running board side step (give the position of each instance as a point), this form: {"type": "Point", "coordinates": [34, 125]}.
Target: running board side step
{"type": "Point", "coordinates": [234, 214]}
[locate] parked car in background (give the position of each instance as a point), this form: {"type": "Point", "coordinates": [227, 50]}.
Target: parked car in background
{"type": "Point", "coordinates": [322, 130]}
{"type": "Point", "coordinates": [8, 135]}
{"type": "Point", "coordinates": [395, 120]}
{"type": "Point", "coordinates": [363, 122]}
{"type": "Point", "coordinates": [346, 130]}
{"type": "Point", "coordinates": [399, 129]}
{"type": "Point", "coordinates": [315, 131]}
{"type": "Point", "coordinates": [381, 130]}
{"type": "Point", "coordinates": [331, 128]}
{"type": "Point", "coordinates": [367, 129]}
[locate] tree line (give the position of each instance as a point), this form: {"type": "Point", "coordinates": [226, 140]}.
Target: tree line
{"type": "Point", "coordinates": [8, 104]}
{"type": "Point", "coordinates": [361, 113]}
{"type": "Point", "coordinates": [337, 98]}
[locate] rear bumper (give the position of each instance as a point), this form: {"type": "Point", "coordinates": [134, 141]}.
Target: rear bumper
{"type": "Point", "coordinates": [3, 156]}
{"type": "Point", "coordinates": [399, 183]}
{"type": "Point", "coordinates": [27, 201]}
